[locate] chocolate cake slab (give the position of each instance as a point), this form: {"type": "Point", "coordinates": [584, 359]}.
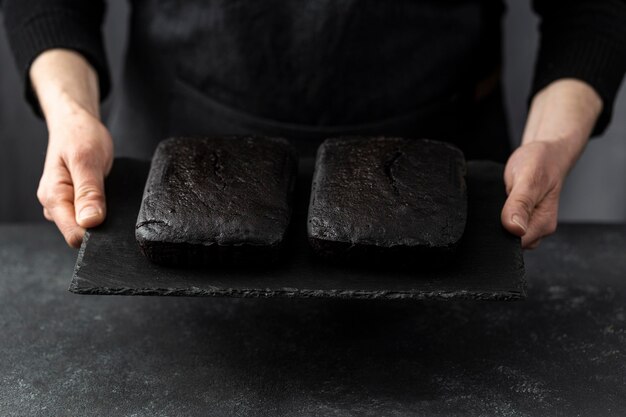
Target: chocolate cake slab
{"type": "Point", "coordinates": [217, 200]}
{"type": "Point", "coordinates": [488, 264]}
{"type": "Point", "coordinates": [382, 198]}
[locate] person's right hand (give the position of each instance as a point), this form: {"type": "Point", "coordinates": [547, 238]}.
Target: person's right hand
{"type": "Point", "coordinates": [80, 149]}
{"type": "Point", "coordinates": [71, 190]}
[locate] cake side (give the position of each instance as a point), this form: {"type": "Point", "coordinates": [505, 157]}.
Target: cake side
{"type": "Point", "coordinates": [392, 196]}
{"type": "Point", "coordinates": [217, 200]}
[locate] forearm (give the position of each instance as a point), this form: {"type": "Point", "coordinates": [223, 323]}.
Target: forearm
{"type": "Point", "coordinates": [64, 83]}
{"type": "Point", "coordinates": [561, 118]}
{"type": "Point", "coordinates": [563, 114]}
{"type": "Point", "coordinates": [580, 65]}
{"type": "Point", "coordinates": [80, 149]}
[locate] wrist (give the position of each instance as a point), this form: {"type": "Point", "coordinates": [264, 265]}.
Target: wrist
{"type": "Point", "coordinates": [64, 108]}
{"type": "Point", "coordinates": [562, 115]}
{"type": "Point", "coordinates": [64, 83]}
{"type": "Point", "coordinates": [71, 126]}
{"type": "Point", "coordinates": [564, 150]}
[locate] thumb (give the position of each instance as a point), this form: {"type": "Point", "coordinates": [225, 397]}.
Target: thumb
{"type": "Point", "coordinates": [89, 199]}
{"type": "Point", "coordinates": [519, 207]}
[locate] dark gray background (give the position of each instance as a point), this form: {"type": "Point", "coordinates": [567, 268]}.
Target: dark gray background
{"type": "Point", "coordinates": [595, 190]}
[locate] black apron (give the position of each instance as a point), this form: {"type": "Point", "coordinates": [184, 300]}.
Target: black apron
{"type": "Point", "coordinates": [338, 68]}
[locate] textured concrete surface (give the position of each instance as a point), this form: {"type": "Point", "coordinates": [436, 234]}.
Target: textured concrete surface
{"type": "Point", "coordinates": [559, 353]}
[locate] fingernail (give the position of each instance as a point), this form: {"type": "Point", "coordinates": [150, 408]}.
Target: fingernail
{"type": "Point", "coordinates": [515, 219]}
{"type": "Point", "coordinates": [88, 212]}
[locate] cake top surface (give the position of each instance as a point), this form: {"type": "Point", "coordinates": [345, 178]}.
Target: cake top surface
{"type": "Point", "coordinates": [225, 190]}
{"type": "Point", "coordinates": [388, 192]}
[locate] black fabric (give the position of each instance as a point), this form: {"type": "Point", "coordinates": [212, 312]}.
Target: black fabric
{"type": "Point", "coordinates": [480, 129]}
{"type": "Point", "coordinates": [34, 26]}
{"type": "Point", "coordinates": [327, 63]}
{"type": "Point", "coordinates": [321, 63]}
{"type": "Point", "coordinates": [172, 82]}
{"type": "Point", "coordinates": [586, 40]}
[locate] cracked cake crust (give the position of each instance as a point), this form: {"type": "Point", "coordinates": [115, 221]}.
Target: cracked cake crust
{"type": "Point", "coordinates": [217, 200]}
{"type": "Point", "coordinates": [387, 196]}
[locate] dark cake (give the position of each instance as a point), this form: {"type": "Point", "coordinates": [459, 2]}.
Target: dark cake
{"type": "Point", "coordinates": [217, 200]}
{"type": "Point", "coordinates": [387, 198]}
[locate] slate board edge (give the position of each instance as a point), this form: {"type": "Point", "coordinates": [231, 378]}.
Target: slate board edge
{"type": "Point", "coordinates": [523, 281]}
{"type": "Point", "coordinates": [299, 293]}
{"type": "Point", "coordinates": [79, 260]}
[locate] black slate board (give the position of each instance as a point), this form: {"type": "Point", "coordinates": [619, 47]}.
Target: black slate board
{"type": "Point", "coordinates": [489, 264]}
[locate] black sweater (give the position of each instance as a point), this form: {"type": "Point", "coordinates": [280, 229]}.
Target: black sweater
{"type": "Point", "coordinates": [583, 39]}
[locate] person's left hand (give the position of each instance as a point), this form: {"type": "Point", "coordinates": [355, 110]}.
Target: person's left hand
{"type": "Point", "coordinates": [560, 120]}
{"type": "Point", "coordinates": [533, 177]}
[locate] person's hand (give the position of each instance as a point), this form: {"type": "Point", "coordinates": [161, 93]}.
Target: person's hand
{"type": "Point", "coordinates": [71, 190]}
{"type": "Point", "coordinates": [534, 176]}
{"type": "Point", "coordinates": [80, 149]}
{"type": "Point", "coordinates": [559, 124]}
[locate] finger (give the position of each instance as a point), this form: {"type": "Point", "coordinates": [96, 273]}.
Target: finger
{"type": "Point", "coordinates": [63, 215]}
{"type": "Point", "coordinates": [47, 215]}
{"type": "Point", "coordinates": [531, 245]}
{"type": "Point", "coordinates": [544, 220]}
{"type": "Point", "coordinates": [89, 200]}
{"type": "Point", "coordinates": [520, 205]}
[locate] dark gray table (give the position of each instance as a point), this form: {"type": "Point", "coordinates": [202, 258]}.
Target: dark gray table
{"type": "Point", "coordinates": [561, 352]}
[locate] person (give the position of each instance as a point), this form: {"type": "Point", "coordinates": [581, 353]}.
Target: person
{"type": "Point", "coordinates": [310, 70]}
